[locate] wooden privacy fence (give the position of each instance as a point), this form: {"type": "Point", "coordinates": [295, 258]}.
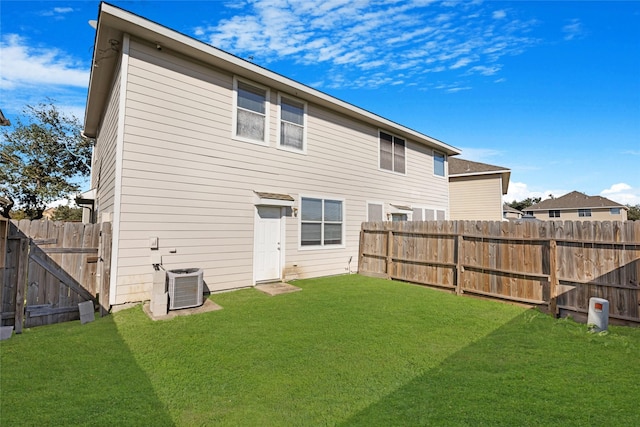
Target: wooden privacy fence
{"type": "Point", "coordinates": [50, 267]}
{"type": "Point", "coordinates": [553, 263]}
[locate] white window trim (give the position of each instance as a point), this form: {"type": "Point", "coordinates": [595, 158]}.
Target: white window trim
{"type": "Point", "coordinates": [435, 210]}
{"type": "Point", "coordinates": [344, 224]}
{"type": "Point", "coordinates": [234, 124]}
{"type": "Point", "coordinates": [304, 124]}
{"type": "Point", "coordinates": [406, 151]}
{"type": "Point", "coordinates": [446, 169]}
{"type": "Point", "coordinates": [373, 202]}
{"type": "Point", "coordinates": [392, 208]}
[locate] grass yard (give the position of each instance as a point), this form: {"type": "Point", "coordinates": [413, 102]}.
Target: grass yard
{"type": "Point", "coordinates": [346, 350]}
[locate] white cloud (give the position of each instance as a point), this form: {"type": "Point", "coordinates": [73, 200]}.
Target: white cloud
{"type": "Point", "coordinates": [573, 30]}
{"type": "Point", "coordinates": [38, 66]}
{"type": "Point", "coordinates": [499, 14]}
{"type": "Point", "coordinates": [371, 37]}
{"type": "Point", "coordinates": [622, 193]}
{"type": "Point", "coordinates": [519, 191]}
{"type": "Point", "coordinates": [484, 155]}
{"type": "Point", "coordinates": [57, 12]}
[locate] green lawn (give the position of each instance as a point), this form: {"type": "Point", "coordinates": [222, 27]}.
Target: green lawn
{"type": "Point", "coordinates": [346, 350]}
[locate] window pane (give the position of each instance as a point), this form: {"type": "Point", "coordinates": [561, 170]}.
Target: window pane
{"type": "Point", "coordinates": [374, 212]}
{"type": "Point", "coordinates": [332, 210]}
{"type": "Point", "coordinates": [292, 111]}
{"type": "Point", "coordinates": [250, 125]}
{"type": "Point", "coordinates": [386, 151]}
{"type": "Point", "coordinates": [438, 164]}
{"type": "Point", "coordinates": [311, 210]}
{"type": "Point", "coordinates": [311, 234]}
{"type": "Point", "coordinates": [291, 135]}
{"type": "Point", "coordinates": [440, 215]}
{"type": "Point", "coordinates": [429, 215]}
{"type": "Point", "coordinates": [398, 217]}
{"type": "Point", "coordinates": [417, 214]}
{"type": "Point", "coordinates": [251, 98]}
{"type": "Point", "coordinates": [332, 234]}
{"type": "Point", "coordinates": [398, 155]}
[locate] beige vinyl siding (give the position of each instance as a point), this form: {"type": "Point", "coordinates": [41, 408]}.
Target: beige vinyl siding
{"type": "Point", "coordinates": [186, 181]}
{"type": "Point", "coordinates": [476, 198]}
{"type": "Point", "coordinates": [597, 214]}
{"type": "Point", "coordinates": [104, 168]}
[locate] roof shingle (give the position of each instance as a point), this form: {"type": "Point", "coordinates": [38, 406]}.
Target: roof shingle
{"type": "Point", "coordinates": [575, 200]}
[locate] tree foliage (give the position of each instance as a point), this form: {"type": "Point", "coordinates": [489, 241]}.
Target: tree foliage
{"type": "Point", "coordinates": [523, 204]}
{"type": "Point", "coordinates": [633, 214]}
{"type": "Point", "coordinates": [40, 156]}
{"type": "Point", "coordinates": [66, 213]}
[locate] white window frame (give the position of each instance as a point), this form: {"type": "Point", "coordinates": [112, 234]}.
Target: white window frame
{"type": "Point", "coordinates": [392, 209]}
{"type": "Point", "coordinates": [234, 124]}
{"type": "Point", "coordinates": [322, 246]}
{"type": "Point", "coordinates": [393, 154]}
{"type": "Point", "coordinates": [584, 213]}
{"type": "Point", "coordinates": [370, 202]}
{"type": "Point", "coordinates": [304, 124]}
{"type": "Point", "coordinates": [444, 167]}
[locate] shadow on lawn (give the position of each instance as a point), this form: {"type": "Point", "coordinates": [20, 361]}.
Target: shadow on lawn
{"type": "Point", "coordinates": [95, 380]}
{"type": "Point", "coordinates": [534, 370]}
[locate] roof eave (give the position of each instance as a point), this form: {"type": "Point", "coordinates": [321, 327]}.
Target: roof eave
{"type": "Point", "coordinates": [113, 22]}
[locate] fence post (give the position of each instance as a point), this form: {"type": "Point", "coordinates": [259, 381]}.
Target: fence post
{"type": "Point", "coordinates": [104, 267]}
{"type": "Point", "coordinates": [21, 285]}
{"type": "Point", "coordinates": [553, 277]}
{"type": "Point", "coordinates": [389, 252]}
{"type": "Point", "coordinates": [458, 261]}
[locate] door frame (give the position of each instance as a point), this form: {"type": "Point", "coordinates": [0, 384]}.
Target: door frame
{"type": "Point", "coordinates": [282, 240]}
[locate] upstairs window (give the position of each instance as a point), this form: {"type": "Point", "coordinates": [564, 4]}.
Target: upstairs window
{"type": "Point", "coordinates": [554, 214]}
{"type": "Point", "coordinates": [292, 124]}
{"type": "Point", "coordinates": [321, 222]}
{"type": "Point", "coordinates": [251, 112]}
{"type": "Point", "coordinates": [584, 212]}
{"type": "Point", "coordinates": [392, 153]}
{"type": "Point", "coordinates": [614, 211]}
{"type": "Point", "coordinates": [438, 163]}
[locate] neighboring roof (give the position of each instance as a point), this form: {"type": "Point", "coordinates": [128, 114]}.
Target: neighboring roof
{"type": "Point", "coordinates": [3, 120]}
{"type": "Point", "coordinates": [507, 208]}
{"type": "Point", "coordinates": [575, 200]}
{"type": "Point", "coordinates": [113, 22]}
{"type": "Point", "coordinates": [461, 167]}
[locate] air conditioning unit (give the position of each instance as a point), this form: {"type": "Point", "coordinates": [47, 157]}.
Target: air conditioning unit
{"type": "Point", "coordinates": [185, 288]}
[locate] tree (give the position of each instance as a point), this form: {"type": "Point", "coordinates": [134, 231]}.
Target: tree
{"type": "Point", "coordinates": [66, 213]}
{"type": "Point", "coordinates": [523, 204]}
{"type": "Point", "coordinates": [40, 157]}
{"type": "Point", "coordinates": [634, 213]}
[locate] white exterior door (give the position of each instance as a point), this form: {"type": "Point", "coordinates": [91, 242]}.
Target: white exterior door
{"type": "Point", "coordinates": [267, 250]}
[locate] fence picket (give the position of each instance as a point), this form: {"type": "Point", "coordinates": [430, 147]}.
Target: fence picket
{"type": "Point", "coordinates": [556, 264]}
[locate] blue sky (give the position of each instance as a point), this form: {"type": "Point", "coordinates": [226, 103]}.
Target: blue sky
{"type": "Point", "coordinates": [550, 90]}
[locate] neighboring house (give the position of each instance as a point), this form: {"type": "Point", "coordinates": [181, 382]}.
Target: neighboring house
{"type": "Point", "coordinates": [226, 166]}
{"type": "Point", "coordinates": [476, 189]}
{"type": "Point", "coordinates": [510, 213]}
{"type": "Point", "coordinates": [578, 206]}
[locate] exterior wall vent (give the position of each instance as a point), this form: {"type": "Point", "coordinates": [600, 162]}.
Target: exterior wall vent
{"type": "Point", "coordinates": [185, 288]}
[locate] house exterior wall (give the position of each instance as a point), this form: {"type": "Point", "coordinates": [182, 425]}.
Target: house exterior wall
{"type": "Point", "coordinates": [186, 181]}
{"type": "Point", "coordinates": [476, 198]}
{"type": "Point", "coordinates": [597, 214]}
{"type": "Point", "coordinates": [103, 174]}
